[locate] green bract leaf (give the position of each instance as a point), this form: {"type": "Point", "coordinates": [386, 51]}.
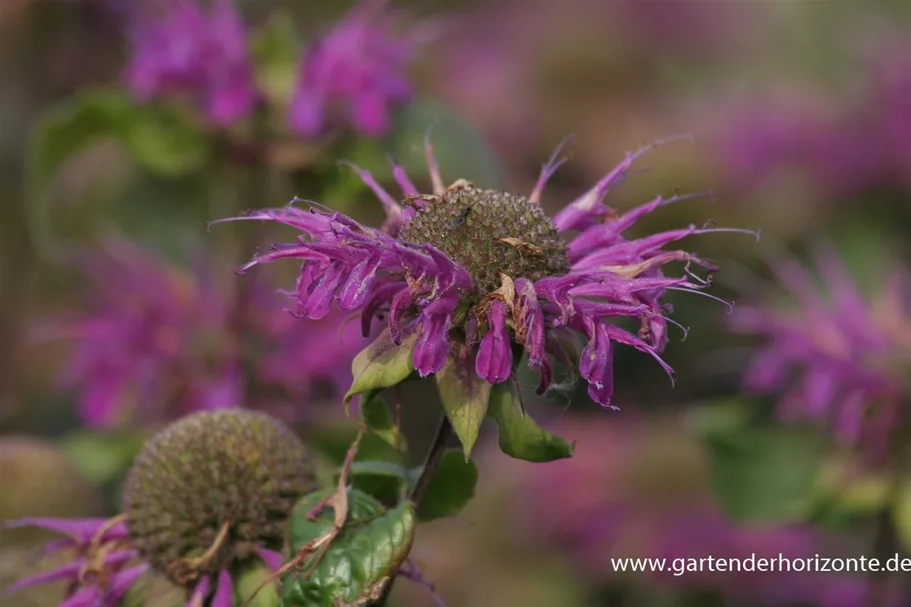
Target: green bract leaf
{"type": "Point", "coordinates": [382, 364]}
{"type": "Point", "coordinates": [520, 436]}
{"type": "Point", "coordinates": [358, 563]}
{"type": "Point", "coordinates": [765, 474]}
{"type": "Point", "coordinates": [464, 396]}
{"type": "Point", "coordinates": [251, 580]}
{"type": "Point", "coordinates": [451, 487]}
{"type": "Point", "coordinates": [375, 414]}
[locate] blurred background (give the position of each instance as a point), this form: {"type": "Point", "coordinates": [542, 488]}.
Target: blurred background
{"type": "Point", "coordinates": [120, 309]}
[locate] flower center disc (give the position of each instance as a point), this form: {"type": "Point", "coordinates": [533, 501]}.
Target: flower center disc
{"type": "Point", "coordinates": [490, 232]}
{"type": "Point", "coordinates": [233, 467]}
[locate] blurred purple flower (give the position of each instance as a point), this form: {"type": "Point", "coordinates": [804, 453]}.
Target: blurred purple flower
{"type": "Point", "coordinates": [560, 287]}
{"type": "Point", "coordinates": [158, 341]}
{"type": "Point", "coordinates": [840, 359]}
{"type": "Point", "coordinates": [841, 150]}
{"type": "Point", "coordinates": [639, 490]}
{"type": "Point", "coordinates": [99, 575]}
{"type": "Point", "coordinates": [360, 63]}
{"type": "Point", "coordinates": [178, 48]}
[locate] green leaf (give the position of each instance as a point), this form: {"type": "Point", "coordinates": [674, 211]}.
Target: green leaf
{"type": "Point", "coordinates": [385, 481]}
{"type": "Point", "coordinates": [451, 487]}
{"type": "Point", "coordinates": [357, 564]}
{"type": "Point", "coordinates": [765, 474]}
{"type": "Point", "coordinates": [382, 364]}
{"type": "Point", "coordinates": [375, 415]}
{"type": "Point", "coordinates": [520, 436]}
{"type": "Point", "coordinates": [464, 396]}
{"type": "Point", "coordinates": [163, 140]}
{"type": "Point", "coordinates": [460, 149]}
{"type": "Point", "coordinates": [60, 135]}
{"type": "Point", "coordinates": [158, 138]}
{"type": "Point", "coordinates": [901, 515]}
{"type": "Point", "coordinates": [249, 581]}
{"type": "Point", "coordinates": [101, 458]}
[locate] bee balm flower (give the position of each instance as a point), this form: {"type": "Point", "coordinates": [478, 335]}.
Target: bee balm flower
{"type": "Point", "coordinates": [182, 49]}
{"type": "Point", "coordinates": [491, 269]}
{"type": "Point", "coordinates": [360, 63]}
{"type": "Point", "coordinates": [839, 359]}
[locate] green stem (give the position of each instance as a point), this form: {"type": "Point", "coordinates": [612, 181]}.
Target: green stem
{"type": "Point", "coordinates": [431, 463]}
{"type": "Point", "coordinates": [885, 546]}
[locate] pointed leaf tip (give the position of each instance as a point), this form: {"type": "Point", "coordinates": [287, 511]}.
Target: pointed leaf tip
{"type": "Point", "coordinates": [520, 436]}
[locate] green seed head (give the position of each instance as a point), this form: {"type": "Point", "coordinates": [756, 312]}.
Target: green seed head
{"type": "Point", "coordinates": [234, 471]}
{"type": "Point", "coordinates": [490, 232]}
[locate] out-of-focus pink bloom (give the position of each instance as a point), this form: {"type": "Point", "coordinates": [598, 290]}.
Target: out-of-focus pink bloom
{"type": "Point", "coordinates": [158, 341]}
{"type": "Point", "coordinates": [837, 356]}
{"type": "Point", "coordinates": [99, 574]}
{"type": "Point", "coordinates": [360, 63]}
{"type": "Point", "coordinates": [179, 48]}
{"type": "Point", "coordinates": [840, 150]}
{"type": "Point", "coordinates": [638, 489]}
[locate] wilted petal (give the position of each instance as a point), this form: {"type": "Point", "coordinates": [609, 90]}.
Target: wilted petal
{"type": "Point", "coordinates": [597, 364]}
{"type": "Point", "coordinates": [432, 346]}
{"type": "Point", "coordinates": [494, 359]}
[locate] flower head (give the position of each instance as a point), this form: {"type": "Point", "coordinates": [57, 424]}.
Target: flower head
{"type": "Point", "coordinates": [206, 500]}
{"type": "Point", "coordinates": [164, 341]}
{"type": "Point", "coordinates": [360, 63]}
{"type": "Point", "coordinates": [214, 490]}
{"type": "Point", "coordinates": [104, 567]}
{"type": "Point", "coordinates": [179, 48]}
{"type": "Point", "coordinates": [842, 358]}
{"type": "Point", "coordinates": [490, 269]}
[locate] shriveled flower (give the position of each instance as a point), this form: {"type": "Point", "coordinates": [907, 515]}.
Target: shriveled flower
{"type": "Point", "coordinates": [206, 500]}
{"type": "Point", "coordinates": [180, 47]}
{"type": "Point", "coordinates": [104, 565]}
{"type": "Point", "coordinates": [212, 492]}
{"type": "Point", "coordinates": [360, 63]}
{"type": "Point", "coordinates": [836, 356]}
{"type": "Point", "coordinates": [157, 341]}
{"type": "Point", "coordinates": [490, 269]}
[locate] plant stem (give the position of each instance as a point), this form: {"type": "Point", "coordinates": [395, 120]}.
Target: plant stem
{"type": "Point", "coordinates": [885, 545]}
{"type": "Point", "coordinates": [431, 463]}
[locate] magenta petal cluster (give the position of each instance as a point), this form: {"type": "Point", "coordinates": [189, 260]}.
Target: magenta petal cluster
{"type": "Point", "coordinates": [104, 567]}
{"type": "Point", "coordinates": [180, 47]}
{"type": "Point", "coordinates": [418, 290]}
{"type": "Point", "coordinates": [360, 63]}
{"type": "Point", "coordinates": [836, 356]}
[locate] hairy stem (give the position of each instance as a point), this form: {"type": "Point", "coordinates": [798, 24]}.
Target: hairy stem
{"type": "Point", "coordinates": [431, 463]}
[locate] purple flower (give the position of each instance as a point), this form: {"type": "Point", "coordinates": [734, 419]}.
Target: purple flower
{"type": "Point", "coordinates": [464, 263]}
{"type": "Point", "coordinates": [638, 489]}
{"type": "Point", "coordinates": [178, 48]}
{"type": "Point", "coordinates": [99, 575]}
{"type": "Point", "coordinates": [157, 341]}
{"type": "Point", "coordinates": [838, 358]}
{"type": "Point", "coordinates": [360, 63]}
{"type": "Point", "coordinates": [105, 567]}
